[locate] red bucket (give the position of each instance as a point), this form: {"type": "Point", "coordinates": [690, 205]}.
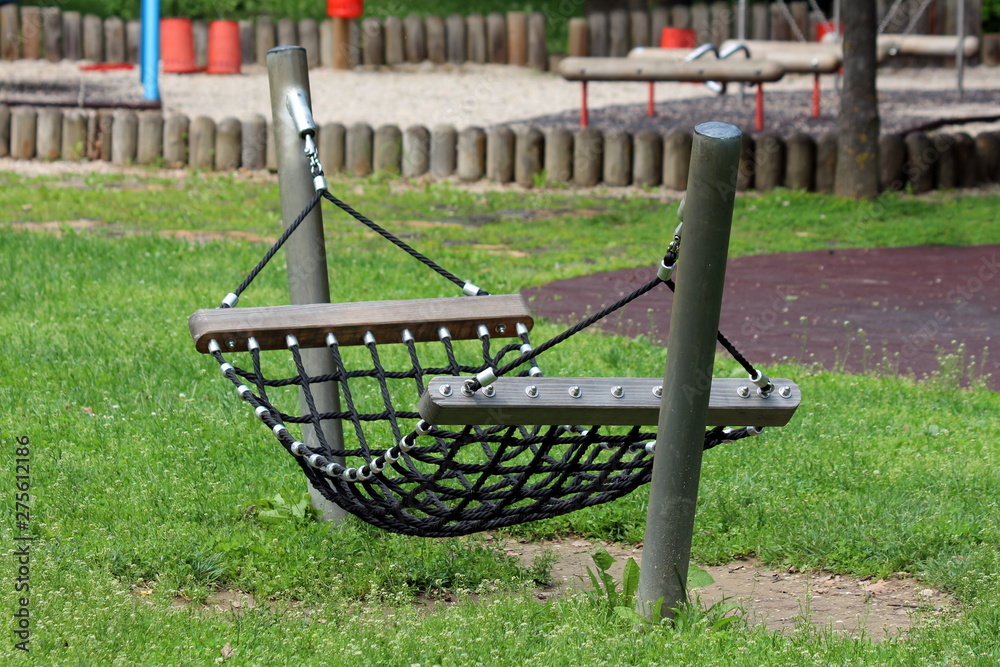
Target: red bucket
{"type": "Point", "coordinates": [224, 55]}
{"type": "Point", "coordinates": [824, 28]}
{"type": "Point", "coordinates": [678, 38]}
{"type": "Point", "coordinates": [345, 9]}
{"type": "Point", "coordinates": [177, 46]}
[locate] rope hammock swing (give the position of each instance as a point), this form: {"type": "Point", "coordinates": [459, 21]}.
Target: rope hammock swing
{"type": "Point", "coordinates": [444, 423]}
{"type": "Point", "coordinates": [415, 476]}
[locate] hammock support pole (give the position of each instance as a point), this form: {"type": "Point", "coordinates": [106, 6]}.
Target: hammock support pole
{"type": "Point", "coordinates": [708, 214]}
{"type": "Point", "coordinates": [308, 281]}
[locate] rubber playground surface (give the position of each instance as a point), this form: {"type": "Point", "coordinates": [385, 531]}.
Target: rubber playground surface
{"type": "Point", "coordinates": [899, 310]}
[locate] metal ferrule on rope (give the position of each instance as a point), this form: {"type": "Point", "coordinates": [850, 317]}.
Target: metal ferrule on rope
{"type": "Point", "coordinates": [298, 109]}
{"type": "Point", "coordinates": [764, 386]}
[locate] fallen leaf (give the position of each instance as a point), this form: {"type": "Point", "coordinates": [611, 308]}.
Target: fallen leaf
{"type": "Point", "coordinates": [877, 588]}
{"type": "Point", "coordinates": [227, 651]}
{"type": "Point", "coordinates": [89, 411]}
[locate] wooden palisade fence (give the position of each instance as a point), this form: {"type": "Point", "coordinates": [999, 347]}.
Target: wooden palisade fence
{"type": "Point", "coordinates": [516, 38]}
{"type": "Point", "coordinates": [527, 156]}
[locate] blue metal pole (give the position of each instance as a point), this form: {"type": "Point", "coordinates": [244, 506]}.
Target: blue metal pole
{"type": "Point", "coordinates": [150, 57]}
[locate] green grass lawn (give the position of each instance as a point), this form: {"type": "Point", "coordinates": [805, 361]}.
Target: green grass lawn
{"type": "Point", "coordinates": [149, 482]}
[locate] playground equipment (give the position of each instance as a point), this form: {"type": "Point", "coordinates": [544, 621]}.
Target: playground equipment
{"type": "Point", "coordinates": [800, 57]}
{"type": "Point", "coordinates": [486, 445]}
{"type": "Point", "coordinates": [904, 43]}
{"type": "Point", "coordinates": [149, 57]}
{"type": "Point", "coordinates": [652, 70]}
{"type": "Point", "coordinates": [793, 57]}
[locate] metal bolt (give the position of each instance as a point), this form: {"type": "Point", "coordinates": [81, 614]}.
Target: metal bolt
{"type": "Point", "coordinates": [762, 393]}
{"type": "Point", "coordinates": [489, 392]}
{"type": "Point", "coordinates": [575, 391]}
{"type": "Point", "coordinates": [231, 343]}
{"type": "Point", "coordinates": [658, 391]}
{"type": "Point", "coordinates": [785, 392]}
{"type": "Point", "coordinates": [617, 391]}
{"type": "Point", "coordinates": [501, 328]}
{"type": "Point", "coordinates": [743, 391]}
{"type": "Point", "coordinates": [445, 390]}
{"type": "Point", "coordinates": [531, 391]}
{"type": "Point", "coordinates": [467, 388]}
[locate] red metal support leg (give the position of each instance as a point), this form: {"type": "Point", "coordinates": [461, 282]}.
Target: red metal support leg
{"type": "Point", "coordinates": [816, 94]}
{"type": "Point", "coordinates": [651, 109]}
{"type": "Point", "coordinates": [583, 107]}
{"type": "Point", "coordinates": [759, 115]}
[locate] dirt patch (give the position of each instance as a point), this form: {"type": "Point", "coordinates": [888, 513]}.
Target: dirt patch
{"type": "Point", "coordinates": [779, 599]}
{"type": "Point", "coordinates": [782, 600]}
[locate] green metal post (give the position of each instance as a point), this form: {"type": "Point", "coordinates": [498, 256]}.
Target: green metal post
{"type": "Point", "coordinates": [708, 214]}
{"type": "Point", "coordinates": [308, 282]}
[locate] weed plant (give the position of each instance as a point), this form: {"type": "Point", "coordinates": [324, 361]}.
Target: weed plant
{"type": "Point", "coordinates": [154, 490]}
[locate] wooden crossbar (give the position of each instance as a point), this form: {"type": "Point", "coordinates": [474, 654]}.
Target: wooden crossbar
{"type": "Point", "coordinates": [652, 69]}
{"type": "Point", "coordinates": [603, 401]}
{"type": "Point", "coordinates": [823, 60]}
{"type": "Point", "coordinates": [795, 55]}
{"type": "Point", "coordinates": [349, 322]}
{"type": "Point", "coordinates": [942, 46]}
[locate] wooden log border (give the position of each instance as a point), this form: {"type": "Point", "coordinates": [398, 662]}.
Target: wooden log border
{"type": "Point", "coordinates": [529, 157]}
{"type": "Point", "coordinates": [517, 38]}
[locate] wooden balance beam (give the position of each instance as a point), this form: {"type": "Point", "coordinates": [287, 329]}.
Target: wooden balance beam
{"type": "Point", "coordinates": [940, 46]}
{"type": "Point", "coordinates": [652, 70]}
{"type": "Point", "coordinates": [797, 61]}
{"type": "Point", "coordinates": [811, 58]}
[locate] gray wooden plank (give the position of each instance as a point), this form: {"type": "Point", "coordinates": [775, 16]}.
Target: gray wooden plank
{"type": "Point", "coordinates": [596, 403]}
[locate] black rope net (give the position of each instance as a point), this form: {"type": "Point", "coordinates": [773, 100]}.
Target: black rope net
{"type": "Point", "coordinates": [376, 458]}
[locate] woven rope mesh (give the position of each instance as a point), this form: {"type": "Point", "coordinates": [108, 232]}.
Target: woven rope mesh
{"type": "Point", "coordinates": [443, 481]}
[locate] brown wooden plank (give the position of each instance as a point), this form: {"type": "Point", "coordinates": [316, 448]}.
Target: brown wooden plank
{"type": "Point", "coordinates": [596, 405]}
{"type": "Point", "coordinates": [653, 69]}
{"type": "Point", "coordinates": [349, 322]}
{"type": "Point", "coordinates": [795, 61]}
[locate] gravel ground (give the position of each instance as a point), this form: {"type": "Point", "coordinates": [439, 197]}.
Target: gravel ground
{"type": "Point", "coordinates": [487, 95]}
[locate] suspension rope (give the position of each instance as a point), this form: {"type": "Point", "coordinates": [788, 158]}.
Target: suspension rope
{"type": "Point", "coordinates": [489, 375]}
{"type": "Point", "coordinates": [915, 17]}
{"type": "Point", "coordinates": [467, 287]}
{"type": "Point", "coordinates": [889, 16]}
{"type": "Point", "coordinates": [790, 20]}
{"type": "Point", "coordinates": [231, 299]}
{"type": "Point", "coordinates": [816, 8]}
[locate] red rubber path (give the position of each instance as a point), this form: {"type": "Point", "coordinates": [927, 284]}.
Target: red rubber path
{"type": "Point", "coordinates": [841, 308]}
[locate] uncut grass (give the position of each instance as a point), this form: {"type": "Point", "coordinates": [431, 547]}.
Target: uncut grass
{"type": "Point", "coordinates": [153, 490]}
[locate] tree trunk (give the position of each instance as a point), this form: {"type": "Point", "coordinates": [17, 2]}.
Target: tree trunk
{"type": "Point", "coordinates": [857, 160]}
